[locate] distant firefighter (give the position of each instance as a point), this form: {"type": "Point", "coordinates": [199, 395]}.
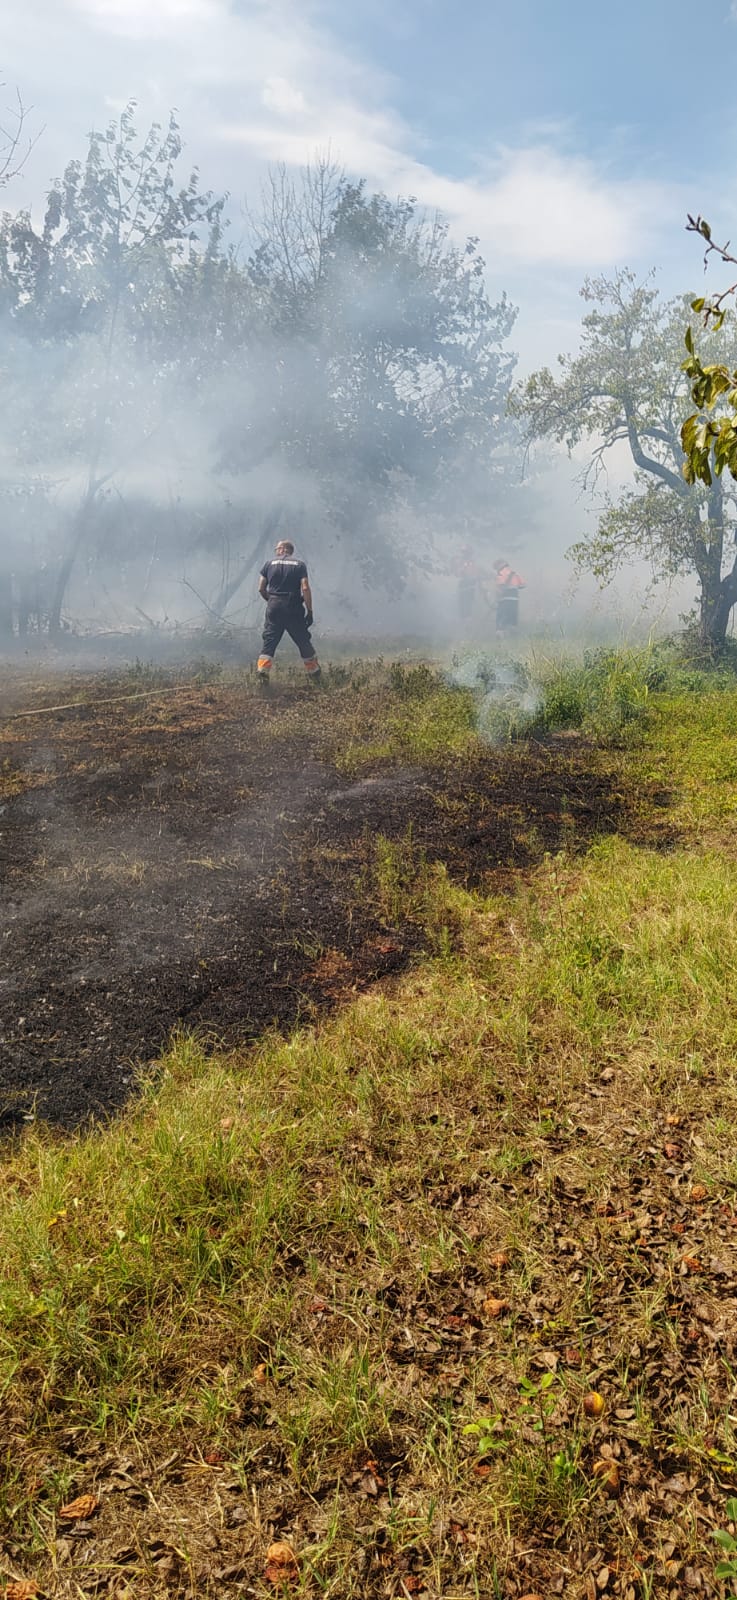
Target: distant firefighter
{"type": "Point", "coordinates": [508, 585]}
{"type": "Point", "coordinates": [284, 585]}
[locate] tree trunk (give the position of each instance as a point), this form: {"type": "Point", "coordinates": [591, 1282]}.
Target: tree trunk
{"type": "Point", "coordinates": [232, 586]}
{"type": "Point", "coordinates": [716, 613]}
{"type": "Point", "coordinates": [718, 594]}
{"type": "Point", "coordinates": [6, 605]}
{"type": "Point", "coordinates": [79, 530]}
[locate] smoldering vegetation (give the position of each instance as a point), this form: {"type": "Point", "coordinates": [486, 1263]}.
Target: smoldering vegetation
{"type": "Point", "coordinates": [174, 400]}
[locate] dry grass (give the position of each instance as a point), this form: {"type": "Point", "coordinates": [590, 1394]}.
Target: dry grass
{"type": "Point", "coordinates": [349, 1290]}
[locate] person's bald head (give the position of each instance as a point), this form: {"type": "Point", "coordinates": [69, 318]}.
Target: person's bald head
{"type": "Point", "coordinates": [285, 548]}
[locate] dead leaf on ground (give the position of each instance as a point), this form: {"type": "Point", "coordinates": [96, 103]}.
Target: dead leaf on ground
{"type": "Point", "coordinates": [214, 1458]}
{"type": "Point", "coordinates": [80, 1509]}
{"type": "Point", "coordinates": [691, 1264]}
{"type": "Point", "coordinates": [282, 1566]}
{"type": "Point", "coordinates": [232, 1573]}
{"type": "Point", "coordinates": [608, 1474]}
{"type": "Point", "coordinates": [23, 1589]}
{"type": "Point", "coordinates": [500, 1259]}
{"type": "Point", "coordinates": [493, 1307]}
{"type": "Point", "coordinates": [671, 1150]}
{"type": "Point", "coordinates": [260, 1374]}
{"type": "Point", "coordinates": [699, 1192]}
{"type": "Point", "coordinates": [412, 1583]}
{"type": "Point", "coordinates": [369, 1481]}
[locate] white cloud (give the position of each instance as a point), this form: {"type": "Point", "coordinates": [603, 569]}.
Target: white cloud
{"type": "Point", "coordinates": [147, 19]}
{"type": "Point", "coordinates": [279, 95]}
{"type": "Point", "coordinates": [530, 205]}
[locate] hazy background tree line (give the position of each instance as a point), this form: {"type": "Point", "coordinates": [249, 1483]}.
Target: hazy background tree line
{"type": "Point", "coordinates": [170, 407]}
{"type": "Point", "coordinates": [171, 403]}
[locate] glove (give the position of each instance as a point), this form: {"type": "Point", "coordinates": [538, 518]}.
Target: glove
{"type": "Point", "coordinates": [309, 619]}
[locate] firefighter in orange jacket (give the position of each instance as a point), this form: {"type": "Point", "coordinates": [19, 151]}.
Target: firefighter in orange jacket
{"type": "Point", "coordinates": [507, 587]}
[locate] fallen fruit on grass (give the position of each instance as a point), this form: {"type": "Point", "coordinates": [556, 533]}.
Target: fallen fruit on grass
{"type": "Point", "coordinates": [608, 1474]}
{"type": "Point", "coordinates": [594, 1404]}
{"type": "Point", "coordinates": [260, 1375]}
{"type": "Point", "coordinates": [493, 1307]}
{"type": "Point", "coordinates": [500, 1259]}
{"type": "Point", "coordinates": [80, 1509]}
{"type": "Point", "coordinates": [281, 1564]}
{"type": "Point", "coordinates": [699, 1192]}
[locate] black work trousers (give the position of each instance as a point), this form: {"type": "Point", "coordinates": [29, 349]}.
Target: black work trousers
{"type": "Point", "coordinates": [286, 616]}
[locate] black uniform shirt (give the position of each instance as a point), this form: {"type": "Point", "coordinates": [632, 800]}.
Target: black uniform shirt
{"type": "Point", "coordinates": [284, 578]}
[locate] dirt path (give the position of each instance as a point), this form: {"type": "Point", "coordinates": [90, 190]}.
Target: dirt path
{"type": "Point", "coordinates": [189, 860]}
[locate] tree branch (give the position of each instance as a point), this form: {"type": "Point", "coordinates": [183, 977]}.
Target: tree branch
{"type": "Point", "coordinates": [650, 463]}
{"type": "Point", "coordinates": [15, 148]}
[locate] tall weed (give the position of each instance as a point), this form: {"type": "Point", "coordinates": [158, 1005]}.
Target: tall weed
{"type": "Point", "coordinates": [605, 694]}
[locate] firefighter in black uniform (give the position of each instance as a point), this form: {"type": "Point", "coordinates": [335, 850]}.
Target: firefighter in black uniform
{"type": "Point", "coordinates": [284, 585]}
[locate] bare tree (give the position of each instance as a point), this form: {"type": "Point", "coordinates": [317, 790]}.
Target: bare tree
{"type": "Point", "coordinates": [15, 141]}
{"type": "Point", "coordinates": [292, 231]}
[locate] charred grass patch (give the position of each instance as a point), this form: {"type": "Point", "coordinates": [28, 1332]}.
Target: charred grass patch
{"type": "Point", "coordinates": [216, 859]}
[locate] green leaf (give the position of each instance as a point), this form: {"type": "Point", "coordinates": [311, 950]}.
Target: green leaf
{"type": "Point", "coordinates": [730, 1509]}
{"type": "Point", "coordinates": [724, 1539]}
{"type": "Point", "coordinates": [689, 341]}
{"type": "Point", "coordinates": [725, 1569]}
{"type": "Point", "coordinates": [698, 305]}
{"type": "Point", "coordinates": [688, 431]}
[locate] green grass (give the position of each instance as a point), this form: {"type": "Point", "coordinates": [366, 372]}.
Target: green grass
{"type": "Point", "coordinates": [284, 1254]}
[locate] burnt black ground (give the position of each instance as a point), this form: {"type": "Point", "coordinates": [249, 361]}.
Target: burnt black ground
{"type": "Point", "coordinates": [191, 862]}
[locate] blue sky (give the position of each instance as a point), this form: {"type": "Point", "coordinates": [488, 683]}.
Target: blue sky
{"type": "Point", "coordinates": [617, 80]}
{"type": "Point", "coordinates": [570, 138]}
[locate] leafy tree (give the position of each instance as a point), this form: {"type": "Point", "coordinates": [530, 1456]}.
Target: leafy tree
{"type": "Point", "coordinates": [626, 388]}
{"type": "Point", "coordinates": [709, 436]}
{"type": "Point", "coordinates": [84, 297]}
{"type": "Point", "coordinates": [382, 365]}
